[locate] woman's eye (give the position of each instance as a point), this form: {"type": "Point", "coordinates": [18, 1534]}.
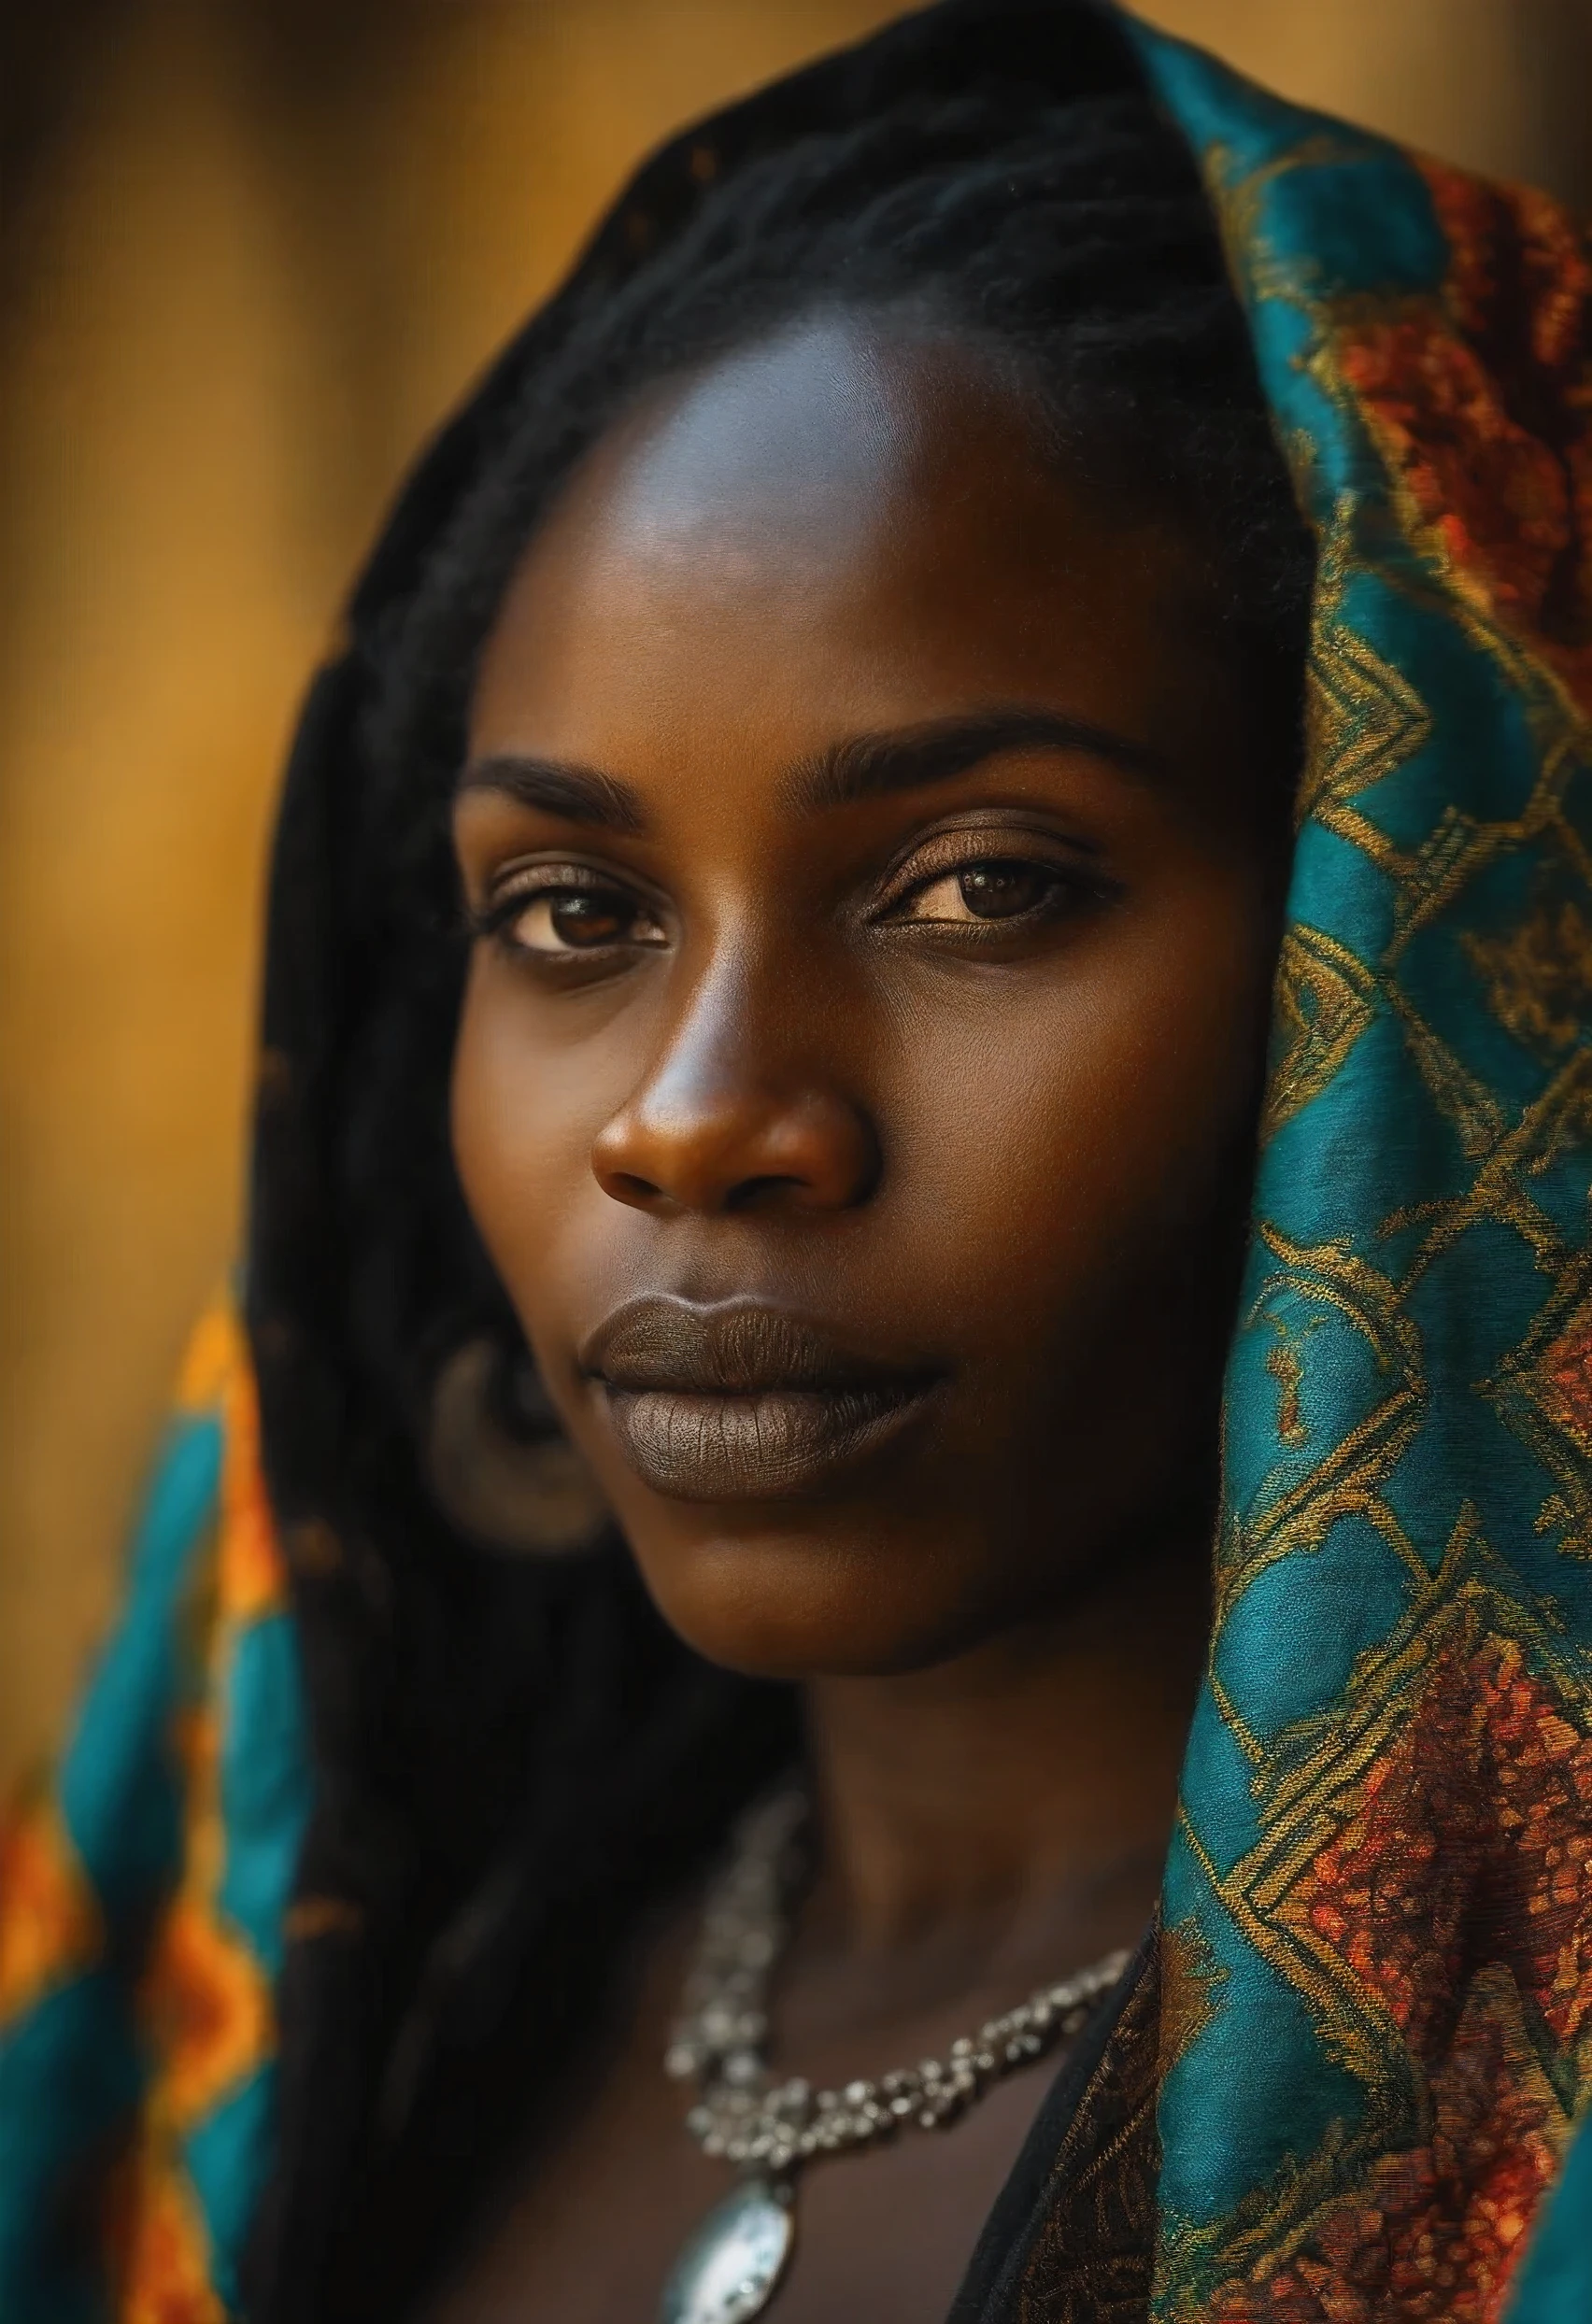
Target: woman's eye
{"type": "Point", "coordinates": [988, 891]}
{"type": "Point", "coordinates": [556, 922]}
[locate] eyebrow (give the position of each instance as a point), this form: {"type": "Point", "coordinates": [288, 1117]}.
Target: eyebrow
{"type": "Point", "coordinates": [862, 767]}
{"type": "Point", "coordinates": [872, 766]}
{"type": "Point", "coordinates": [559, 788]}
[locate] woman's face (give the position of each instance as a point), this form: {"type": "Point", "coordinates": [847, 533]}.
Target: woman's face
{"type": "Point", "coordinates": [878, 896]}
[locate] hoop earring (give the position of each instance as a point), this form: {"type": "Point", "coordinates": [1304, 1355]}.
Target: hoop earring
{"type": "Point", "coordinates": [498, 1466]}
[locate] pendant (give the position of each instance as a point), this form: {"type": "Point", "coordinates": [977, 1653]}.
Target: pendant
{"type": "Point", "coordinates": [730, 2268]}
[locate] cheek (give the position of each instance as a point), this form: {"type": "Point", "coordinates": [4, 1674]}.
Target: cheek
{"type": "Point", "coordinates": [1098, 1115]}
{"type": "Point", "coordinates": [524, 1112]}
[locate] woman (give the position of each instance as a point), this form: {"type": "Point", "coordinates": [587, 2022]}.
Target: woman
{"type": "Point", "coordinates": [775, 916]}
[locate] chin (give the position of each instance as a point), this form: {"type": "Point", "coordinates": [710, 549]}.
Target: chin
{"type": "Point", "coordinates": [791, 1608]}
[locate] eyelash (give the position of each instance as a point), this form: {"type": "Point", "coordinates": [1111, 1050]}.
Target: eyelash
{"type": "Point", "coordinates": [555, 883]}
{"type": "Point", "coordinates": [1067, 889]}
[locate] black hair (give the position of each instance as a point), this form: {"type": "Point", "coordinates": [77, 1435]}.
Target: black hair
{"type": "Point", "coordinates": [514, 1757]}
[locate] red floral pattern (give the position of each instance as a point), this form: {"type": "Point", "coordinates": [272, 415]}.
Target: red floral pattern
{"type": "Point", "coordinates": [1567, 1374]}
{"type": "Point", "coordinates": [1433, 2236]}
{"type": "Point", "coordinates": [1469, 1838]}
{"type": "Point", "coordinates": [1487, 1795]}
{"type": "Point", "coordinates": [1481, 408]}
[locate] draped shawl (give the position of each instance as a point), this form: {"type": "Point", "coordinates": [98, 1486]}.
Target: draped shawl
{"type": "Point", "coordinates": [1369, 2043]}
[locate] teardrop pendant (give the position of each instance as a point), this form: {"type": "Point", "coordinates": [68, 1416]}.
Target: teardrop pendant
{"type": "Point", "coordinates": [730, 2268]}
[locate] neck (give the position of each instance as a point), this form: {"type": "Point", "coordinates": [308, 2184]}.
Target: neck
{"type": "Point", "coordinates": [1038, 1771]}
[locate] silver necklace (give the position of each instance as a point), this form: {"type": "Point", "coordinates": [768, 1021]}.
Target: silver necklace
{"type": "Point", "coordinates": [731, 2267]}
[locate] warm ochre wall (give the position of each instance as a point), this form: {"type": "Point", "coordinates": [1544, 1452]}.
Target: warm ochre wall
{"type": "Point", "coordinates": [247, 269]}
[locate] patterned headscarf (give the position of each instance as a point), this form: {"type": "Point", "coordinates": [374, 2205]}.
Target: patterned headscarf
{"type": "Point", "coordinates": [1374, 2029]}
{"type": "Point", "coordinates": [1377, 1961]}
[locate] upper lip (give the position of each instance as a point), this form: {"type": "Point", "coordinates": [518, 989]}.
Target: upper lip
{"type": "Point", "coordinates": [662, 1342]}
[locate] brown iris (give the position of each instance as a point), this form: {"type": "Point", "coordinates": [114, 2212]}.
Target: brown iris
{"type": "Point", "coordinates": [1002, 891]}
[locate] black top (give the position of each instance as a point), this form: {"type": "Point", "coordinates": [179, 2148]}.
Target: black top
{"type": "Point", "coordinates": [1070, 2239]}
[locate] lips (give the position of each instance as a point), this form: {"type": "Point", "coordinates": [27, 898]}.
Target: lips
{"type": "Point", "coordinates": [742, 1402]}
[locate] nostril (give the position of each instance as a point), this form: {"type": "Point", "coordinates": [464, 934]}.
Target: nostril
{"type": "Point", "coordinates": [748, 1191]}
{"type": "Point", "coordinates": [629, 1187]}
{"type": "Point", "coordinates": [737, 1151]}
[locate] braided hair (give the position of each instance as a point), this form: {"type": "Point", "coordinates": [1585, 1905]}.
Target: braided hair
{"type": "Point", "coordinates": [515, 1758]}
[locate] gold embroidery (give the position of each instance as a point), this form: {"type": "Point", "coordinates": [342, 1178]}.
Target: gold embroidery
{"type": "Point", "coordinates": [1350, 1475]}
{"type": "Point", "coordinates": [1363, 720]}
{"type": "Point", "coordinates": [1191, 1976]}
{"type": "Point", "coordinates": [1544, 1392]}
{"type": "Point", "coordinates": [1469, 1104]}
{"type": "Point", "coordinates": [1288, 1371]}
{"type": "Point", "coordinates": [1325, 1000]}
{"type": "Point", "coordinates": [1539, 978]}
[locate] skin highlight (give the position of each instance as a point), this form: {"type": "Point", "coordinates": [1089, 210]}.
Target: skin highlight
{"type": "Point", "coordinates": [877, 897]}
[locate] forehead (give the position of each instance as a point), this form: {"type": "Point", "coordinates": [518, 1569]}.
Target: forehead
{"type": "Point", "coordinates": [806, 432]}
{"type": "Point", "coordinates": [849, 522]}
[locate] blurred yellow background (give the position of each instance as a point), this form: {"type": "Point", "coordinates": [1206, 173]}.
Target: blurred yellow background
{"type": "Point", "coordinates": [251, 251]}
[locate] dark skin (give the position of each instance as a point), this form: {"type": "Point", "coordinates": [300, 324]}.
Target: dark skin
{"type": "Point", "coordinates": [878, 892]}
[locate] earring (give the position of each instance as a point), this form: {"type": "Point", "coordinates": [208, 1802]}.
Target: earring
{"type": "Point", "coordinates": [497, 1464]}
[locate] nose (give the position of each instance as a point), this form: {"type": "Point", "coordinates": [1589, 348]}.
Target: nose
{"type": "Point", "coordinates": [727, 1120]}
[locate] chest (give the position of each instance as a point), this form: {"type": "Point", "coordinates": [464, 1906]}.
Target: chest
{"type": "Point", "coordinates": [593, 2234]}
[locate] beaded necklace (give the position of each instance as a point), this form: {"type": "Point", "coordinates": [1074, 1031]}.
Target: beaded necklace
{"type": "Point", "coordinates": [733, 2265]}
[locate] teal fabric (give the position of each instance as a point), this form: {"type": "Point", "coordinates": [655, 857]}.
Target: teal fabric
{"type": "Point", "coordinates": [266, 1786]}
{"type": "Point", "coordinates": [1555, 2283]}
{"type": "Point", "coordinates": [69, 2074]}
{"type": "Point", "coordinates": [78, 2062]}
{"type": "Point", "coordinates": [1404, 1579]}
{"type": "Point", "coordinates": [72, 2069]}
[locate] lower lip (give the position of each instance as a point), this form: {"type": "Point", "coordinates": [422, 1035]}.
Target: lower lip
{"type": "Point", "coordinates": [774, 1446]}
